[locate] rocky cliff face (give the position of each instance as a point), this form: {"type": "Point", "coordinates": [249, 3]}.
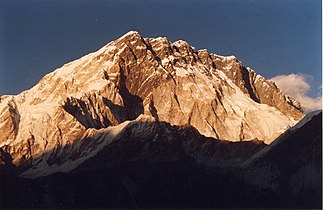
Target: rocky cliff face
{"type": "Point", "coordinates": [59, 118]}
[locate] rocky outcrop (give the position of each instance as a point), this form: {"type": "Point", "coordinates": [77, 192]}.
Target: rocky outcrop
{"type": "Point", "coordinates": [133, 75]}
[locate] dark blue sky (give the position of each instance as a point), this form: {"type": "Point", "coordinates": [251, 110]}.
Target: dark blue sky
{"type": "Point", "coordinates": [271, 36]}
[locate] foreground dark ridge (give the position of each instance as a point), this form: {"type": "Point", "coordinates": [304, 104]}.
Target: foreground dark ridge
{"type": "Point", "coordinates": [145, 170]}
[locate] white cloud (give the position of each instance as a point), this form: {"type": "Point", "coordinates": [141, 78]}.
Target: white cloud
{"type": "Point", "coordinates": [298, 86]}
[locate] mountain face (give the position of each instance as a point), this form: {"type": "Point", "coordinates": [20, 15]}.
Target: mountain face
{"type": "Point", "coordinates": [78, 109]}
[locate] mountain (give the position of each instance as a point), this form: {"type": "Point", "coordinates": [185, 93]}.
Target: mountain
{"type": "Point", "coordinates": [61, 119]}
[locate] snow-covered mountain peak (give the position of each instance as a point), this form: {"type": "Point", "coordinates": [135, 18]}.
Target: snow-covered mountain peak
{"type": "Point", "coordinates": [130, 33]}
{"type": "Point", "coordinates": [132, 76]}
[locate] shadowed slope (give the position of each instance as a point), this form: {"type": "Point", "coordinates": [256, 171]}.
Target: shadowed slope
{"type": "Point", "coordinates": [155, 165]}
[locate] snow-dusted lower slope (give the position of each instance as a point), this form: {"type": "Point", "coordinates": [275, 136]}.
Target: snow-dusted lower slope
{"type": "Point", "coordinates": [73, 155]}
{"type": "Point", "coordinates": [143, 140]}
{"type": "Point", "coordinates": [134, 75]}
